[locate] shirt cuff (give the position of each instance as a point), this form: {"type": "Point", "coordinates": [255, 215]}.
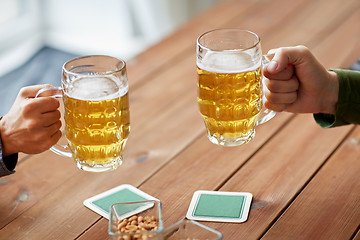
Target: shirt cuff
{"type": "Point", "coordinates": [348, 106]}
{"type": "Point", "coordinates": [324, 120]}
{"type": "Point", "coordinates": [8, 163]}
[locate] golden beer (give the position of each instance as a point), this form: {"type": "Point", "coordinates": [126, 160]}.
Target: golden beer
{"type": "Point", "coordinates": [229, 65]}
{"type": "Point", "coordinates": [230, 103]}
{"type": "Point", "coordinates": [97, 120]}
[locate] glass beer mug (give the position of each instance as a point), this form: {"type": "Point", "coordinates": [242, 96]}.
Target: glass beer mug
{"type": "Point", "coordinates": [97, 118]}
{"type": "Point", "coordinates": [230, 95]}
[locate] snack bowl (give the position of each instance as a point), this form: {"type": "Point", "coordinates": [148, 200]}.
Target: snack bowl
{"type": "Point", "coordinates": [135, 220]}
{"type": "Point", "coordinates": [187, 229]}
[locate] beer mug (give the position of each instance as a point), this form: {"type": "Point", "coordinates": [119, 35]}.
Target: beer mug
{"type": "Point", "coordinates": [94, 90]}
{"type": "Point", "coordinates": [230, 95]}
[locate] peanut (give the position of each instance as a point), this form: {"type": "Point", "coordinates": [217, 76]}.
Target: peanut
{"type": "Point", "coordinates": [121, 225]}
{"type": "Point", "coordinates": [137, 224]}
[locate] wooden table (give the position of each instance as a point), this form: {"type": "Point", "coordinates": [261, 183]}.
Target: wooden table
{"type": "Point", "coordinates": [305, 180]}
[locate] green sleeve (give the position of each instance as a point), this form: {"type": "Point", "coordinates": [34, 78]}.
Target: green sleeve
{"type": "Point", "coordinates": [348, 106]}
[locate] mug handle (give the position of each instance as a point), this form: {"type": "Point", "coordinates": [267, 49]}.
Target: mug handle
{"type": "Point", "coordinates": [57, 92]}
{"type": "Point", "coordinates": [265, 114]}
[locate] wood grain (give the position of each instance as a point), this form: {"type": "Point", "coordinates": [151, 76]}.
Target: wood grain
{"type": "Point", "coordinates": [328, 208]}
{"type": "Point", "coordinates": [290, 166]}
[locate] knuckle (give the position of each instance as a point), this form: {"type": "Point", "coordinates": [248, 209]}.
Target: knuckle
{"type": "Point", "coordinates": [23, 92]}
{"type": "Point", "coordinates": [28, 108]}
{"type": "Point", "coordinates": [52, 102]}
{"type": "Point", "coordinates": [303, 48]}
{"type": "Point", "coordinates": [271, 86]}
{"type": "Point", "coordinates": [31, 125]}
{"type": "Point", "coordinates": [46, 85]}
{"type": "Point", "coordinates": [270, 97]}
{"type": "Point", "coordinates": [44, 146]}
{"type": "Point", "coordinates": [58, 115]}
{"type": "Point", "coordinates": [57, 126]}
{"type": "Point", "coordinates": [275, 107]}
{"type": "Point", "coordinates": [295, 83]}
{"type": "Point", "coordinates": [293, 97]}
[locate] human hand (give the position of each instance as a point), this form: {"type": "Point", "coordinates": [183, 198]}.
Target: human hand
{"type": "Point", "coordinates": [32, 125]}
{"type": "Point", "coordinates": [297, 82]}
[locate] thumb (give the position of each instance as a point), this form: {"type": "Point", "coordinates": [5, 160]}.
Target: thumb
{"type": "Point", "coordinates": [285, 56]}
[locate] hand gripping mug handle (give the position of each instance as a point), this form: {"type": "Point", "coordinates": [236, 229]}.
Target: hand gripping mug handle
{"type": "Point", "coordinates": [57, 92]}
{"type": "Point", "coordinates": [265, 114]}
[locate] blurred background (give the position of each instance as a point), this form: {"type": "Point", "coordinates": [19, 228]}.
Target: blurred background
{"type": "Point", "coordinates": [38, 36]}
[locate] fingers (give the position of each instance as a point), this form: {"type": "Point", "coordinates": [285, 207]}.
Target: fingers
{"type": "Point", "coordinates": [49, 118]}
{"type": "Point", "coordinates": [51, 137]}
{"type": "Point", "coordinates": [284, 74]}
{"type": "Point", "coordinates": [275, 107]}
{"type": "Point", "coordinates": [46, 104]}
{"type": "Point", "coordinates": [286, 56]}
{"type": "Point", "coordinates": [30, 91]}
{"type": "Point", "coordinates": [281, 80]}
{"type": "Point", "coordinates": [53, 131]}
{"type": "Point", "coordinates": [281, 98]}
{"type": "Point", "coordinates": [55, 138]}
{"type": "Point", "coordinates": [37, 106]}
{"type": "Point", "coordinates": [280, 86]}
{"type": "Point", "coordinates": [43, 134]}
{"type": "Point", "coordinates": [279, 94]}
{"type": "Point", "coordinates": [44, 138]}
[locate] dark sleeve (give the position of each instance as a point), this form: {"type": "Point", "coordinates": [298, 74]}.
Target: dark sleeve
{"type": "Point", "coordinates": [8, 163]}
{"type": "Point", "coordinates": [348, 106]}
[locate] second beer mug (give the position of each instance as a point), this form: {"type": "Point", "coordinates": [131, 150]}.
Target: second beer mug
{"type": "Point", "coordinates": [97, 123]}
{"type": "Point", "coordinates": [229, 66]}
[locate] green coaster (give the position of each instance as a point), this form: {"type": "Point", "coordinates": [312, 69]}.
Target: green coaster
{"type": "Point", "coordinates": [220, 206]}
{"type": "Point", "coordinates": [102, 202]}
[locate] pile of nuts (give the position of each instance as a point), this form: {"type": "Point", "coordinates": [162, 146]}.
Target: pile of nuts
{"type": "Point", "coordinates": [137, 224]}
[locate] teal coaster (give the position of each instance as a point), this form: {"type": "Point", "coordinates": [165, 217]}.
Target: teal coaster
{"type": "Point", "coordinates": [125, 193]}
{"type": "Point", "coordinates": [220, 206]}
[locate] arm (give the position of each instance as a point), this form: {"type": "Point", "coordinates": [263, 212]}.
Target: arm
{"type": "Point", "coordinates": [348, 106]}
{"type": "Point", "coordinates": [7, 164]}
{"type": "Point", "coordinates": [297, 82]}
{"type": "Point", "coordinates": [31, 126]}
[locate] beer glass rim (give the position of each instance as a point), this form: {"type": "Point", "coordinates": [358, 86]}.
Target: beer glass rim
{"type": "Point", "coordinates": [110, 72]}
{"type": "Point", "coordinates": [257, 42]}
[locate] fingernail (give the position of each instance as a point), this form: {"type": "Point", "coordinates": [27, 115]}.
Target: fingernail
{"type": "Point", "coordinates": [272, 66]}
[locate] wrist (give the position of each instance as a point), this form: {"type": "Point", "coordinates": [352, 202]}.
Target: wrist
{"type": "Point", "coordinates": [331, 93]}
{"type": "Point", "coordinates": [6, 151]}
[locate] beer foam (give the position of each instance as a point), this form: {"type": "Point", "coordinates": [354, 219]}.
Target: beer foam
{"type": "Point", "coordinates": [96, 88]}
{"type": "Point", "coordinates": [228, 62]}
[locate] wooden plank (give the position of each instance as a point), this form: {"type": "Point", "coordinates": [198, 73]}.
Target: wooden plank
{"type": "Point", "coordinates": [202, 165]}
{"type": "Point", "coordinates": [252, 15]}
{"type": "Point", "coordinates": [174, 206]}
{"type": "Point", "coordinates": [98, 231]}
{"type": "Point", "coordinates": [34, 179]}
{"type": "Point", "coordinates": [78, 186]}
{"type": "Point", "coordinates": [140, 69]}
{"type": "Point", "coordinates": [344, 35]}
{"type": "Point", "coordinates": [330, 202]}
{"type": "Point", "coordinates": [155, 139]}
{"type": "Point", "coordinates": [357, 236]}
{"type": "Point", "coordinates": [337, 38]}
{"type": "Point", "coordinates": [23, 156]}
{"type": "Point", "coordinates": [152, 98]}
{"type": "Point", "coordinates": [277, 173]}
{"type": "Point", "coordinates": [183, 40]}
{"type": "Point", "coordinates": [304, 27]}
